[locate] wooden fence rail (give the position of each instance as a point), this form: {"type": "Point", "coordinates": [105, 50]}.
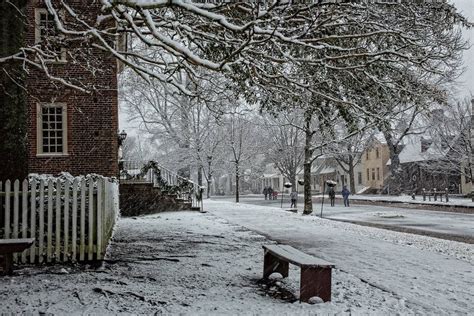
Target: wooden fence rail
{"type": "Point", "coordinates": [70, 221]}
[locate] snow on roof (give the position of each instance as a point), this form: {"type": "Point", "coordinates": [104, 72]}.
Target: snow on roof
{"type": "Point", "coordinates": [411, 151]}
{"type": "Point", "coordinates": [327, 170]}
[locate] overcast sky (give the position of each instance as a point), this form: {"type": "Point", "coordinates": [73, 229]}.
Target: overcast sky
{"type": "Point", "coordinates": [466, 86]}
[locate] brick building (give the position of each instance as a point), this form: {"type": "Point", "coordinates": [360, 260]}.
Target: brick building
{"type": "Point", "coordinates": [65, 129]}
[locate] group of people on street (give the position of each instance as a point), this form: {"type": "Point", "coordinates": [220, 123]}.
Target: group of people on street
{"type": "Point", "coordinates": [269, 193]}
{"type": "Point", "coordinates": [345, 195]}
{"type": "Point", "coordinates": [273, 195]}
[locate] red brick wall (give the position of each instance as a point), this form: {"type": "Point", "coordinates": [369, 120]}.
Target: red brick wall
{"type": "Point", "coordinates": [92, 118]}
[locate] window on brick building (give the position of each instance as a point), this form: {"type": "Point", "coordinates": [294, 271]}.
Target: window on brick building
{"type": "Point", "coordinates": [377, 154]}
{"type": "Point", "coordinates": [359, 178]}
{"type": "Point", "coordinates": [373, 173]}
{"type": "Point", "coordinates": [368, 174]}
{"type": "Point", "coordinates": [378, 173]}
{"type": "Point", "coordinates": [52, 129]}
{"type": "Point", "coordinates": [367, 154]}
{"type": "Point", "coordinates": [46, 34]}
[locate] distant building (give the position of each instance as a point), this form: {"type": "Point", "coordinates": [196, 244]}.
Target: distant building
{"type": "Point", "coordinates": [375, 171]}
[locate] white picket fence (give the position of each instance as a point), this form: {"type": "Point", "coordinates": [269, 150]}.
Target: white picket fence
{"type": "Point", "coordinates": [70, 221]}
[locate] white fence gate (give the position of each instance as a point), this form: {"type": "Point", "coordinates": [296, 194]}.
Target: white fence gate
{"type": "Point", "coordinates": [70, 221]}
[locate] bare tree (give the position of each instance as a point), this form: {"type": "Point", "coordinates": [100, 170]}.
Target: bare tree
{"type": "Point", "coordinates": [285, 143]}
{"type": "Point", "coordinates": [242, 143]}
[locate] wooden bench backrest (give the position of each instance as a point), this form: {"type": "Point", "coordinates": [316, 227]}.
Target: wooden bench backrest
{"type": "Point", "coordinates": [296, 257]}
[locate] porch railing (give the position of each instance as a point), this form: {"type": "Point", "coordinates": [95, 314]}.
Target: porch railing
{"type": "Point", "coordinates": [134, 171]}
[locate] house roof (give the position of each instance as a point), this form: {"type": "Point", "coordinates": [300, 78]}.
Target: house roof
{"type": "Point", "coordinates": [411, 151]}
{"type": "Point", "coordinates": [327, 170]}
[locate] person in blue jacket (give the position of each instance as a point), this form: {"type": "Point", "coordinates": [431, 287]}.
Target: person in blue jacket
{"type": "Point", "coordinates": [345, 195]}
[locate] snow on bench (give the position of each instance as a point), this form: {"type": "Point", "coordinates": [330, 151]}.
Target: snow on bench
{"type": "Point", "coordinates": [315, 277]}
{"type": "Point", "coordinates": [10, 246]}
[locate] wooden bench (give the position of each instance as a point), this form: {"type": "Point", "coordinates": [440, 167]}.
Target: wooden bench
{"type": "Point", "coordinates": [10, 246]}
{"type": "Point", "coordinates": [315, 273]}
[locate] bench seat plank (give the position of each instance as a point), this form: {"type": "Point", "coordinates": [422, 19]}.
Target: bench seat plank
{"type": "Point", "coordinates": [15, 245]}
{"type": "Point", "coordinates": [296, 257]}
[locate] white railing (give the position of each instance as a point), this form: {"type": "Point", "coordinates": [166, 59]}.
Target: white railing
{"type": "Point", "coordinates": [136, 171]}
{"type": "Point", "coordinates": [70, 221]}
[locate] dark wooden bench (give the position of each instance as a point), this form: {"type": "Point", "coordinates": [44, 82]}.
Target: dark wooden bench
{"type": "Point", "coordinates": [315, 273]}
{"type": "Point", "coordinates": [10, 246]}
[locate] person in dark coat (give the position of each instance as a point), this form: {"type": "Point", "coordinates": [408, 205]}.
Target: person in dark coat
{"type": "Point", "coordinates": [345, 195]}
{"type": "Point", "coordinates": [270, 193]}
{"type": "Point", "coordinates": [332, 195]}
{"type": "Point", "coordinates": [265, 192]}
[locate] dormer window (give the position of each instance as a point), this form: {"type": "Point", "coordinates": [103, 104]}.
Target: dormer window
{"type": "Point", "coordinates": [47, 35]}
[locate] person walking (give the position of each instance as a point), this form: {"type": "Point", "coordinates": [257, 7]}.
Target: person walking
{"type": "Point", "coordinates": [294, 199]}
{"type": "Point", "coordinates": [345, 195]}
{"type": "Point", "coordinates": [270, 193]}
{"type": "Point", "coordinates": [332, 195]}
{"type": "Point", "coordinates": [265, 192]}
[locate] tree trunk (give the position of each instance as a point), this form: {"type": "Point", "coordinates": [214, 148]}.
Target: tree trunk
{"type": "Point", "coordinates": [395, 179]}
{"type": "Point", "coordinates": [209, 187]}
{"type": "Point", "coordinates": [237, 178]}
{"type": "Point", "coordinates": [308, 153]}
{"type": "Point", "coordinates": [200, 175]}
{"type": "Point", "coordinates": [351, 175]}
{"type": "Point", "coordinates": [395, 176]}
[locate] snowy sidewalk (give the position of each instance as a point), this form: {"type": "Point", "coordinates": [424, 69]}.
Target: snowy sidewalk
{"type": "Point", "coordinates": [430, 276]}
{"type": "Point", "coordinates": [199, 264]}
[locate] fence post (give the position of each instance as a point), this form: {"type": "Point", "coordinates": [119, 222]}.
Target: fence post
{"type": "Point", "coordinates": [49, 239]}
{"type": "Point", "coordinates": [100, 184]}
{"type": "Point", "coordinates": [41, 223]}
{"type": "Point", "coordinates": [424, 194]}
{"type": "Point", "coordinates": [16, 197]}
{"type": "Point", "coordinates": [57, 228]}
{"type": "Point", "coordinates": [24, 215]}
{"type": "Point", "coordinates": [435, 193]}
{"type": "Point", "coordinates": [83, 220]}
{"type": "Point", "coordinates": [447, 197]}
{"type": "Point", "coordinates": [7, 209]}
{"type": "Point", "coordinates": [33, 220]}
{"type": "Point", "coordinates": [67, 186]}
{"type": "Point", "coordinates": [90, 237]}
{"type": "Point", "coordinates": [75, 188]}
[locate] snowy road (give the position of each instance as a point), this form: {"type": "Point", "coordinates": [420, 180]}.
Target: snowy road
{"type": "Point", "coordinates": [432, 275]}
{"type": "Point", "coordinates": [447, 225]}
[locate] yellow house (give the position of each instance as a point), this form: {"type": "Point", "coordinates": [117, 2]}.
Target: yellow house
{"type": "Point", "coordinates": [374, 164]}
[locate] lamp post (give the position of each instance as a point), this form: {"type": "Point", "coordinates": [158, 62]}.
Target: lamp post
{"type": "Point", "coordinates": [286, 185]}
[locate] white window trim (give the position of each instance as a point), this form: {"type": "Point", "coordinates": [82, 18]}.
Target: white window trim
{"type": "Point", "coordinates": [38, 11]}
{"type": "Point", "coordinates": [39, 129]}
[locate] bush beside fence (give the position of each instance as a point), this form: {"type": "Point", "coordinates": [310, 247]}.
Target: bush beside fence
{"type": "Point", "coordinates": [70, 221]}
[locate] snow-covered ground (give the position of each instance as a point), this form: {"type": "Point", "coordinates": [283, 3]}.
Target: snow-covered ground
{"type": "Point", "coordinates": [430, 276]}
{"type": "Point", "coordinates": [201, 264]}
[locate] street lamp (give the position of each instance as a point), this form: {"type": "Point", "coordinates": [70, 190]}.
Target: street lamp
{"type": "Point", "coordinates": [286, 185]}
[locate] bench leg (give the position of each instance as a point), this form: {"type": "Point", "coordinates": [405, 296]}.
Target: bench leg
{"type": "Point", "coordinates": [7, 264]}
{"type": "Point", "coordinates": [315, 282]}
{"type": "Point", "coordinates": [273, 264]}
